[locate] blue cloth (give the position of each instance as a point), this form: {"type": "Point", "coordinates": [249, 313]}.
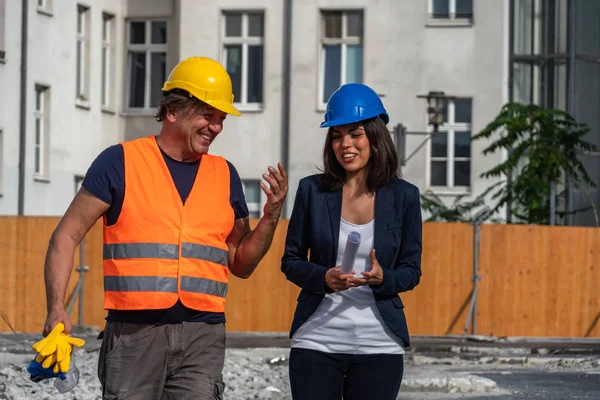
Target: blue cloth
{"type": "Point", "coordinates": [315, 225]}
{"type": "Point", "coordinates": [105, 179]}
{"type": "Point", "coordinates": [37, 373]}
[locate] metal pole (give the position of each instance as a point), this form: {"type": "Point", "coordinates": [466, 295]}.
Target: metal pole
{"type": "Point", "coordinates": [23, 108]}
{"type": "Point", "coordinates": [552, 203]}
{"type": "Point", "coordinates": [570, 95]}
{"type": "Point", "coordinates": [476, 277]}
{"type": "Point", "coordinates": [286, 87]}
{"type": "Point", "coordinates": [511, 47]}
{"type": "Point", "coordinates": [472, 315]}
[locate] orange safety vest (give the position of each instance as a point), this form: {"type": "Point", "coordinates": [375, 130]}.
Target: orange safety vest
{"type": "Point", "coordinates": [160, 250]}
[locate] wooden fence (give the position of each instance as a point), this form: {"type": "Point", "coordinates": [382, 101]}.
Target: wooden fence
{"type": "Point", "coordinates": [535, 281]}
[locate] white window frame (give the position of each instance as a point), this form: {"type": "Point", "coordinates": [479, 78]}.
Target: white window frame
{"type": "Point", "coordinates": [451, 12]}
{"type": "Point", "coordinates": [78, 181]}
{"type": "Point", "coordinates": [450, 127]}
{"type": "Point", "coordinates": [44, 7]}
{"type": "Point", "coordinates": [344, 41]}
{"type": "Point", "coordinates": [82, 95]}
{"type": "Point", "coordinates": [253, 206]}
{"type": "Point", "coordinates": [41, 113]}
{"type": "Point", "coordinates": [245, 41]}
{"type": "Point", "coordinates": [107, 60]}
{"type": "Point", "coordinates": [148, 48]}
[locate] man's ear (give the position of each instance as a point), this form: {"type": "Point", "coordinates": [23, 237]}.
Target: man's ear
{"type": "Point", "coordinates": [171, 116]}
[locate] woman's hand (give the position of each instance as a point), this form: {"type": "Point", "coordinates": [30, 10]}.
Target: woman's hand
{"type": "Point", "coordinates": [373, 277]}
{"type": "Point", "coordinates": [336, 281]}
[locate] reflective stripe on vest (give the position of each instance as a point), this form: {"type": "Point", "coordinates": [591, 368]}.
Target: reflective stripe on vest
{"type": "Point", "coordinates": [118, 251]}
{"type": "Point", "coordinates": [159, 283]}
{"type": "Point", "coordinates": [162, 284]}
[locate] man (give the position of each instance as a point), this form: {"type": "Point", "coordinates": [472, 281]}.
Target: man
{"type": "Point", "coordinates": [175, 224]}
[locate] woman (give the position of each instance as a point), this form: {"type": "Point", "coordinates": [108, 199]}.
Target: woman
{"type": "Point", "coordinates": [349, 330]}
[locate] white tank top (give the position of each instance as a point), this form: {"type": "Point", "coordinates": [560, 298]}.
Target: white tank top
{"type": "Point", "coordinates": [349, 321]}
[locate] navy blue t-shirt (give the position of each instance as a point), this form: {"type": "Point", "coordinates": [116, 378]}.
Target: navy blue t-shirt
{"type": "Point", "coordinates": [105, 179]}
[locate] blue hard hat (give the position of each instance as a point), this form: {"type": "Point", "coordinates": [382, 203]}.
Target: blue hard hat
{"type": "Point", "coordinates": [353, 102]}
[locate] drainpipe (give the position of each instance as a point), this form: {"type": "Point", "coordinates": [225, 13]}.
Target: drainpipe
{"type": "Point", "coordinates": [511, 50]}
{"type": "Point", "coordinates": [23, 106]}
{"type": "Point", "coordinates": [570, 96]}
{"type": "Point", "coordinates": [286, 84]}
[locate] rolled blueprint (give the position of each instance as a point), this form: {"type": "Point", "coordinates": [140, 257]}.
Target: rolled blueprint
{"type": "Point", "coordinates": [350, 252]}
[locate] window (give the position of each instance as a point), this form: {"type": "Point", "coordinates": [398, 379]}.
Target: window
{"type": "Point", "coordinates": [451, 9]}
{"type": "Point", "coordinates": [78, 182]}
{"type": "Point", "coordinates": [107, 59]}
{"type": "Point", "coordinates": [252, 193]}
{"type": "Point", "coordinates": [243, 48]}
{"type": "Point", "coordinates": [450, 148]}
{"type": "Point", "coordinates": [341, 51]}
{"type": "Point", "coordinates": [40, 114]}
{"type": "Point", "coordinates": [146, 66]}
{"type": "Point", "coordinates": [45, 6]}
{"type": "Point", "coordinates": [83, 53]}
{"type": "Point", "coordinates": [540, 59]}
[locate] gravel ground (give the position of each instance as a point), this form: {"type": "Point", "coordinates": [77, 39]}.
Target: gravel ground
{"type": "Point", "coordinates": [248, 374]}
{"type": "Point", "coordinates": [262, 373]}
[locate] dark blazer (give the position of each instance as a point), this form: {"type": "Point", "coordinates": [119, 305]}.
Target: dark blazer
{"type": "Point", "coordinates": [314, 226]}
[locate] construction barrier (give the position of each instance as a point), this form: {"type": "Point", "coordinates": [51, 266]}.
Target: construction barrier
{"type": "Point", "coordinates": [530, 280]}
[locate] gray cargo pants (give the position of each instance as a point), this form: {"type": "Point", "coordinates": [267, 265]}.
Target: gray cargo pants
{"type": "Point", "coordinates": [162, 362]}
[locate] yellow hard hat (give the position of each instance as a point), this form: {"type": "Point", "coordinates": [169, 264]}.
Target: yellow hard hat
{"type": "Point", "coordinates": [205, 79]}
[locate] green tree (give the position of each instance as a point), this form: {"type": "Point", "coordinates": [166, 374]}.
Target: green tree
{"type": "Point", "coordinates": [475, 210]}
{"type": "Point", "coordinates": [543, 147]}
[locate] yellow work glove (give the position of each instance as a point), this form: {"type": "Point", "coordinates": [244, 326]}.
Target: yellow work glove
{"type": "Point", "coordinates": [56, 348]}
{"type": "Point", "coordinates": [48, 345]}
{"type": "Point", "coordinates": [63, 357]}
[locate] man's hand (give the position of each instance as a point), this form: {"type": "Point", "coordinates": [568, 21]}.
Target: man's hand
{"type": "Point", "coordinates": [373, 277]}
{"type": "Point", "coordinates": [54, 317]}
{"type": "Point", "coordinates": [278, 181]}
{"type": "Point", "coordinates": [336, 281]}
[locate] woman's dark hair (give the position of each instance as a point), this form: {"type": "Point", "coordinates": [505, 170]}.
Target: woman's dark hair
{"type": "Point", "coordinates": [177, 101]}
{"type": "Point", "coordinates": [382, 166]}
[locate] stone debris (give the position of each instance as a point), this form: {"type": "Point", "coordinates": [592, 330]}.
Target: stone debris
{"type": "Point", "coordinates": [262, 373]}
{"type": "Point", "coordinates": [246, 376]}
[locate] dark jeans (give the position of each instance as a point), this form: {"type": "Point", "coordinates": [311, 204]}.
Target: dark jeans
{"type": "Point", "coordinates": [162, 362]}
{"type": "Point", "coordinates": [315, 375]}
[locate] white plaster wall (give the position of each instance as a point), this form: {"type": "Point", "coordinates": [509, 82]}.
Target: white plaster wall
{"type": "Point", "coordinates": [9, 107]}
{"type": "Point", "coordinates": [76, 135]}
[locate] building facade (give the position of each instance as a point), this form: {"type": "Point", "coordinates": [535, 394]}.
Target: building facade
{"type": "Point", "coordinates": [64, 108]}
{"type": "Point", "coordinates": [94, 71]}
